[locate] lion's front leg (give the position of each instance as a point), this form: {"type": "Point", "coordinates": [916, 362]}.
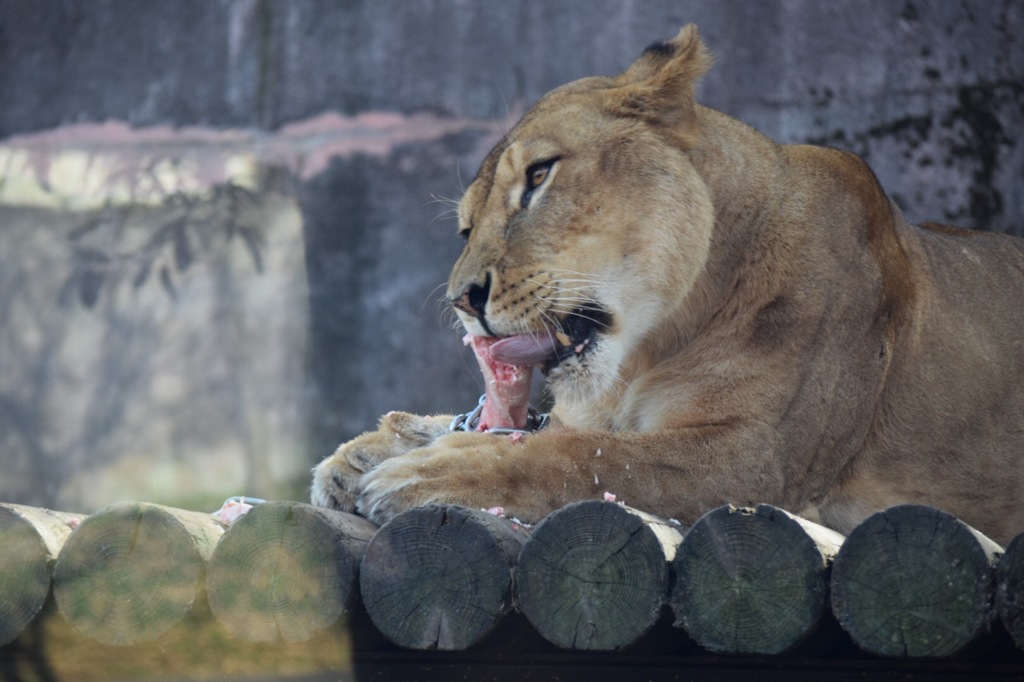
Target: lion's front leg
{"type": "Point", "coordinates": [336, 479]}
{"type": "Point", "coordinates": [476, 470]}
{"type": "Point", "coordinates": [679, 474]}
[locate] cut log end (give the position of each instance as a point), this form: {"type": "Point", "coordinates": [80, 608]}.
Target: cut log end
{"type": "Point", "coordinates": [30, 540]}
{"type": "Point", "coordinates": [439, 577]}
{"type": "Point", "coordinates": [133, 570]}
{"type": "Point", "coordinates": [751, 581]}
{"type": "Point", "coordinates": [1010, 590]}
{"type": "Point", "coordinates": [593, 576]}
{"type": "Point", "coordinates": [286, 570]}
{"type": "Point", "coordinates": [913, 581]}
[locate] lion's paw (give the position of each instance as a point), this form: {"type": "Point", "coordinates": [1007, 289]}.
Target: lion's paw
{"type": "Point", "coordinates": [468, 469]}
{"type": "Point", "coordinates": [401, 484]}
{"type": "Point", "coordinates": [336, 480]}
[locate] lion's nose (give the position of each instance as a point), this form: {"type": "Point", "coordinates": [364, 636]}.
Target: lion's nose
{"type": "Point", "coordinates": [473, 300]}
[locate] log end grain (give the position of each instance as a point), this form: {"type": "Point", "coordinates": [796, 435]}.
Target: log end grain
{"type": "Point", "coordinates": [749, 581]}
{"type": "Point", "coordinates": [912, 581]}
{"type": "Point", "coordinates": [592, 576]}
{"type": "Point", "coordinates": [285, 571]}
{"type": "Point", "coordinates": [1010, 590]}
{"type": "Point", "coordinates": [439, 577]}
{"type": "Point", "coordinates": [30, 539]}
{"type": "Point", "coordinates": [133, 570]}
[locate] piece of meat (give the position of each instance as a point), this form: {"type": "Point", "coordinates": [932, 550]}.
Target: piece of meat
{"type": "Point", "coordinates": [506, 380]}
{"type": "Point", "coordinates": [232, 510]}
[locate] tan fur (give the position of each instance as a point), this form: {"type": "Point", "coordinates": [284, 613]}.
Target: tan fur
{"type": "Point", "coordinates": [779, 332]}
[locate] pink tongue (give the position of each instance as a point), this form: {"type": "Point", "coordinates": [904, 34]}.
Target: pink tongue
{"type": "Point", "coordinates": [507, 366]}
{"type": "Point", "coordinates": [525, 349]}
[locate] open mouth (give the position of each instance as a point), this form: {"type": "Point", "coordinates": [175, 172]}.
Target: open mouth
{"type": "Point", "coordinates": [507, 363]}
{"type": "Point", "coordinates": [576, 334]}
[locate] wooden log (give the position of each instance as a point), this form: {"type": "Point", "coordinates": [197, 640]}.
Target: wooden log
{"type": "Point", "coordinates": [1010, 589]}
{"type": "Point", "coordinates": [594, 575]}
{"type": "Point", "coordinates": [286, 570]}
{"type": "Point", "coordinates": [440, 577]}
{"type": "Point", "coordinates": [133, 570]}
{"type": "Point", "coordinates": [913, 581]}
{"type": "Point", "coordinates": [752, 581]}
{"type": "Point", "coordinates": [30, 540]}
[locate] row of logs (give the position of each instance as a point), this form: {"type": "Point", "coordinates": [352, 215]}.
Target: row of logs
{"type": "Point", "coordinates": [910, 581]}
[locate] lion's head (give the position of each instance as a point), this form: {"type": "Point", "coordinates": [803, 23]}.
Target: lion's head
{"type": "Point", "coordinates": [587, 225]}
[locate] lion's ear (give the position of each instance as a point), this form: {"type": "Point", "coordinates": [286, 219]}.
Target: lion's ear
{"type": "Point", "coordinates": [659, 85]}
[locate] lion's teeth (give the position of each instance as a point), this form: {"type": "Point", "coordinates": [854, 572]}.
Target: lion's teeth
{"type": "Point", "coordinates": [563, 338]}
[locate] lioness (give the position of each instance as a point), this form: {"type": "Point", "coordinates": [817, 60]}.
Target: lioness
{"type": "Point", "coordinates": [720, 319]}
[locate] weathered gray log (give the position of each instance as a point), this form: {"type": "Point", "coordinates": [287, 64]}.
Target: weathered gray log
{"type": "Point", "coordinates": [1010, 589]}
{"type": "Point", "coordinates": [30, 539]}
{"type": "Point", "coordinates": [752, 581]}
{"type": "Point", "coordinates": [132, 570]}
{"type": "Point", "coordinates": [913, 581]}
{"type": "Point", "coordinates": [286, 570]}
{"type": "Point", "coordinates": [440, 577]}
{"type": "Point", "coordinates": [594, 575]}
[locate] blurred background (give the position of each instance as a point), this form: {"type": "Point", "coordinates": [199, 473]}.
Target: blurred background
{"type": "Point", "coordinates": [225, 224]}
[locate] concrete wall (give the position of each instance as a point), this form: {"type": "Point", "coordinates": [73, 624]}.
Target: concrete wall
{"type": "Point", "coordinates": [365, 116]}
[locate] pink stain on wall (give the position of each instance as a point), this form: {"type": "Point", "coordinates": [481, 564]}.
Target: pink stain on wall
{"type": "Point", "coordinates": [304, 147]}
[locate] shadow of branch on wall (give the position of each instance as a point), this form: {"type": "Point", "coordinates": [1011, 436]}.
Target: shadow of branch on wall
{"type": "Point", "coordinates": [183, 230]}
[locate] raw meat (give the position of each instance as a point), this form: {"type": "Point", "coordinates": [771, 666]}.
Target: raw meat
{"type": "Point", "coordinates": [507, 365]}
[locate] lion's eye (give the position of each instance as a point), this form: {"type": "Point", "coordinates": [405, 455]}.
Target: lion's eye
{"type": "Point", "coordinates": [535, 177]}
